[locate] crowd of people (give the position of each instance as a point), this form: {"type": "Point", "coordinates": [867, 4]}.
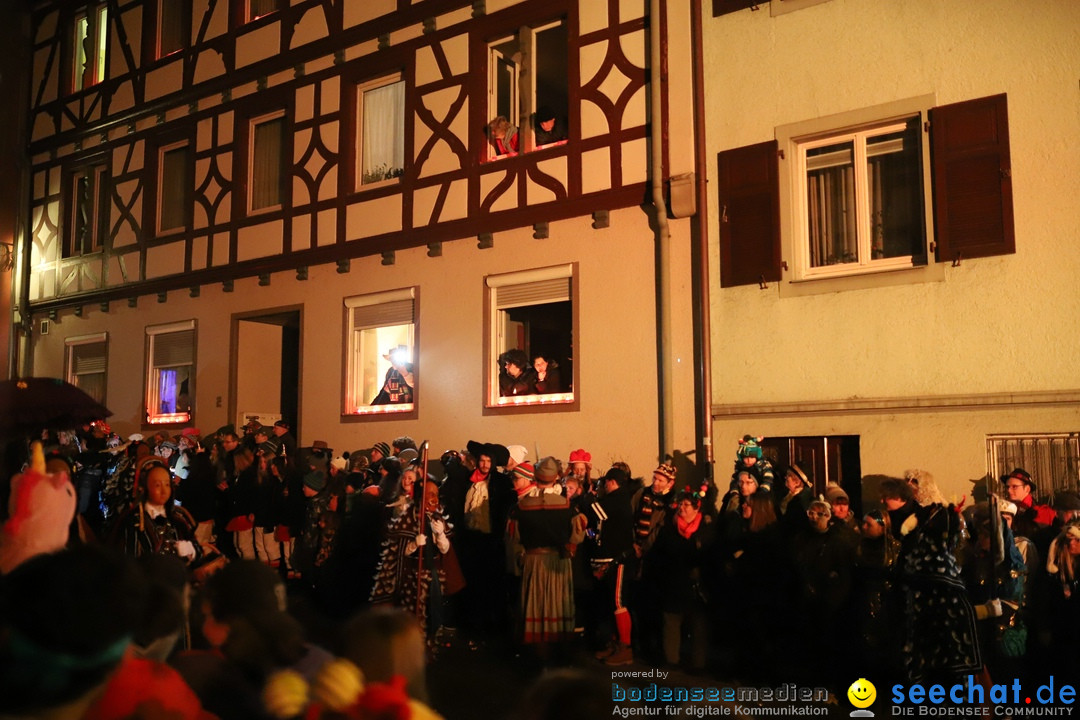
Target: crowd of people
{"type": "Point", "coordinates": [752, 576]}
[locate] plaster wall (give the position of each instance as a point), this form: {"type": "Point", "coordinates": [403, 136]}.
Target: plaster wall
{"type": "Point", "coordinates": [615, 346]}
{"type": "Point", "coordinates": [990, 326]}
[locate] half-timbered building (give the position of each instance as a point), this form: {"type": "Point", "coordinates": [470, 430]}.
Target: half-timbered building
{"type": "Point", "coordinates": [274, 208]}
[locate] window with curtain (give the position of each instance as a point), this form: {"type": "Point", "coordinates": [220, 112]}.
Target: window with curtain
{"type": "Point", "coordinates": [170, 382]}
{"type": "Point", "coordinates": [381, 110]}
{"type": "Point", "coordinates": [382, 362]}
{"type": "Point", "coordinates": [266, 162]}
{"type": "Point", "coordinates": [1053, 460]}
{"type": "Point", "coordinates": [86, 360]}
{"type": "Point", "coordinates": [174, 186]}
{"type": "Point", "coordinates": [91, 33]}
{"type": "Point", "coordinates": [863, 199]}
{"type": "Point", "coordinates": [531, 344]}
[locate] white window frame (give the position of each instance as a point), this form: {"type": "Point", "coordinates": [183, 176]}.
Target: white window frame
{"type": "Point", "coordinates": [362, 88]}
{"type": "Point", "coordinates": [72, 372]}
{"type": "Point", "coordinates": [357, 399]}
{"type": "Point", "coordinates": [523, 101]}
{"type": "Point", "coordinates": [82, 29]}
{"type": "Point", "coordinates": [543, 281]}
{"type": "Point", "coordinates": [167, 192]}
{"type": "Point", "coordinates": [252, 124]}
{"type": "Point", "coordinates": [793, 140]}
{"type": "Point", "coordinates": [152, 390]}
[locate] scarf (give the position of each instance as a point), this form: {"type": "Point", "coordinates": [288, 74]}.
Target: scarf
{"type": "Point", "coordinates": [686, 529]}
{"type": "Point", "coordinates": [477, 476]}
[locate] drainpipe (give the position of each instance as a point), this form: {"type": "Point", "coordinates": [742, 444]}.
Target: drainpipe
{"type": "Point", "coordinates": [700, 258]}
{"type": "Point", "coordinates": [663, 235]}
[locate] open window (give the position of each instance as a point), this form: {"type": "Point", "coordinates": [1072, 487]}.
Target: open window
{"type": "Point", "coordinates": [380, 112]}
{"type": "Point", "coordinates": [381, 359]}
{"type": "Point", "coordinates": [170, 374]}
{"type": "Point", "coordinates": [266, 162]}
{"type": "Point", "coordinates": [91, 32]}
{"type": "Point", "coordinates": [531, 323]}
{"type": "Point", "coordinates": [86, 209]}
{"type": "Point", "coordinates": [527, 79]}
{"type": "Point", "coordinates": [86, 364]}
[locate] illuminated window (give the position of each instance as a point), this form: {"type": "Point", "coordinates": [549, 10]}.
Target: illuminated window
{"type": "Point", "coordinates": [381, 368]}
{"type": "Point", "coordinates": [170, 381]}
{"type": "Point", "coordinates": [380, 109]}
{"type": "Point", "coordinates": [174, 186]}
{"type": "Point", "coordinates": [88, 50]}
{"type": "Point", "coordinates": [531, 324]}
{"type": "Point", "coordinates": [267, 162]}
{"type": "Point", "coordinates": [86, 210]}
{"type": "Point", "coordinates": [86, 362]}
{"type": "Point", "coordinates": [538, 56]}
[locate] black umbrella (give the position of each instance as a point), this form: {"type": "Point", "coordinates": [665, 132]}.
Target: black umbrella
{"type": "Point", "coordinates": [28, 405]}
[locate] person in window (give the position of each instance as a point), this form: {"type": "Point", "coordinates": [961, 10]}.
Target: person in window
{"type": "Point", "coordinates": [516, 377]}
{"type": "Point", "coordinates": [549, 128]}
{"type": "Point", "coordinates": [547, 375]}
{"type": "Point", "coordinates": [504, 136]}
{"type": "Point", "coordinates": [399, 382]}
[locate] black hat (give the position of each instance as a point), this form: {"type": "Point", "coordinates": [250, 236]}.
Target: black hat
{"type": "Point", "coordinates": [617, 475]}
{"type": "Point", "coordinates": [498, 453]}
{"type": "Point", "coordinates": [1066, 500]}
{"type": "Point", "coordinates": [282, 424]}
{"type": "Point", "coordinates": [1020, 474]}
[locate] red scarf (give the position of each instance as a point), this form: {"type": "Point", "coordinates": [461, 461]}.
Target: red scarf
{"type": "Point", "coordinates": [686, 529]}
{"type": "Point", "coordinates": [477, 476]}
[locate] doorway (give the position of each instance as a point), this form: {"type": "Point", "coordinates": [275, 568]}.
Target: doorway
{"type": "Point", "coordinates": [265, 375]}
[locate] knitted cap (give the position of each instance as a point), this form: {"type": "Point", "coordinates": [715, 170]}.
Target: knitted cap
{"type": "Point", "coordinates": [315, 480]}
{"type": "Point", "coordinates": [666, 470]}
{"type": "Point", "coordinates": [749, 446]}
{"type": "Point", "coordinates": [382, 447]}
{"type": "Point", "coordinates": [835, 493]}
{"type": "Point", "coordinates": [524, 471]}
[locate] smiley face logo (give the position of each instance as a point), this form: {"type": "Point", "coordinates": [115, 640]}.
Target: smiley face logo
{"type": "Point", "coordinates": [862, 693]}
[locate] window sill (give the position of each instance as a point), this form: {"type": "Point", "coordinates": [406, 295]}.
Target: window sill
{"type": "Point", "coordinates": [173, 419]}
{"type": "Point", "coordinates": [363, 413]}
{"type": "Point", "coordinates": [364, 187]}
{"type": "Point", "coordinates": [867, 279]}
{"type": "Point", "coordinates": [530, 400]}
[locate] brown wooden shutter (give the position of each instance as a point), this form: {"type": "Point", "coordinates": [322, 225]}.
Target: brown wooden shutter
{"type": "Point", "coordinates": [749, 215]}
{"type": "Point", "coordinates": [723, 7]}
{"type": "Point", "coordinates": [973, 212]}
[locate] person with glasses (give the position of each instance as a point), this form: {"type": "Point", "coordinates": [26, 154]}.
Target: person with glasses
{"type": "Point", "coordinates": [1030, 516]}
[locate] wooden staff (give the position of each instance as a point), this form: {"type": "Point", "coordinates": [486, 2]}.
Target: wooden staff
{"type": "Point", "coordinates": [420, 522]}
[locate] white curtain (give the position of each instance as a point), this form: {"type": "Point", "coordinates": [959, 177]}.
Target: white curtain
{"type": "Point", "coordinates": [383, 132]}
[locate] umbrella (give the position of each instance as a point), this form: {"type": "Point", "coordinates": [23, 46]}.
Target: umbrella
{"type": "Point", "coordinates": [33, 404]}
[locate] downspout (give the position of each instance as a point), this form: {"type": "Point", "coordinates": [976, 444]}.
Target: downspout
{"type": "Point", "coordinates": [700, 258]}
{"type": "Point", "coordinates": [663, 235]}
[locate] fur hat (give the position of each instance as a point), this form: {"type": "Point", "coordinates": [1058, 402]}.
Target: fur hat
{"type": "Point", "coordinates": [667, 470]}
{"type": "Point", "coordinates": [749, 446]}
{"type": "Point", "coordinates": [835, 493]}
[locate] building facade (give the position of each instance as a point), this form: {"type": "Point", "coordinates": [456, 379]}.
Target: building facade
{"type": "Point", "coordinates": [262, 208]}
{"type": "Point", "coordinates": [894, 203]}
